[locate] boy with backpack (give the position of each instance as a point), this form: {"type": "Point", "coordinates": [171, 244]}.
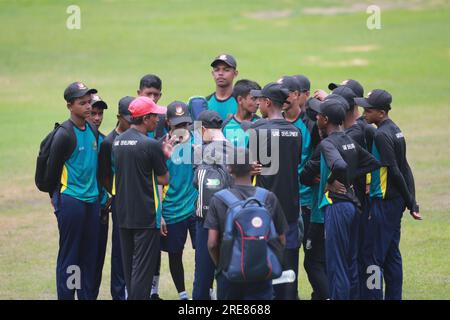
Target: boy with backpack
{"type": "Point", "coordinates": [210, 176]}
{"type": "Point", "coordinates": [234, 215]}
{"type": "Point", "coordinates": [67, 169]}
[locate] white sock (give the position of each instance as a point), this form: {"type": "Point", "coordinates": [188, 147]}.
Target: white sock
{"type": "Point", "coordinates": [183, 295]}
{"type": "Point", "coordinates": [155, 285]}
{"type": "Point", "coordinates": [213, 294]}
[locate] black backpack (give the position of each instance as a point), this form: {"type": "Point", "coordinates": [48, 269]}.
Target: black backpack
{"type": "Point", "coordinates": [209, 179]}
{"type": "Point", "coordinates": [42, 169]}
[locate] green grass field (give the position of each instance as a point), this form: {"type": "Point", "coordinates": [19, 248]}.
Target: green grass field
{"type": "Point", "coordinates": [120, 41]}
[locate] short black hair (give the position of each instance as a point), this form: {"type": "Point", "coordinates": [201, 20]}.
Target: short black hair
{"type": "Point", "coordinates": [150, 81]}
{"type": "Point", "coordinates": [241, 165]}
{"type": "Point", "coordinates": [243, 87]}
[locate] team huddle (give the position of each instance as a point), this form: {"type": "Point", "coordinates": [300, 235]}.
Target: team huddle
{"type": "Point", "coordinates": [251, 174]}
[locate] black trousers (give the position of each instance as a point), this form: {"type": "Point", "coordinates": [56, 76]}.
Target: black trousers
{"type": "Point", "coordinates": [315, 262]}
{"type": "Point", "coordinates": [140, 250]}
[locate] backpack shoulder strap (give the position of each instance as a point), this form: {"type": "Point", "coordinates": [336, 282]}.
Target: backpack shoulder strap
{"type": "Point", "coordinates": [94, 130]}
{"type": "Point", "coordinates": [68, 125]}
{"type": "Point", "coordinates": [261, 195]}
{"type": "Point", "coordinates": [228, 197]}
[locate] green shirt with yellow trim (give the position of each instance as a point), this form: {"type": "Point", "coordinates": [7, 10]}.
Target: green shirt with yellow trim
{"type": "Point", "coordinates": [180, 195]}
{"type": "Point", "coordinates": [394, 179]}
{"type": "Point", "coordinates": [79, 174]}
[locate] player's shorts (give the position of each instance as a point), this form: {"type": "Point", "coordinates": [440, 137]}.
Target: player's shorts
{"type": "Point", "coordinates": [176, 237]}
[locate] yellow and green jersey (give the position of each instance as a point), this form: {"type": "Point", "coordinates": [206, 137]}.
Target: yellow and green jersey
{"type": "Point", "coordinates": [79, 173]}
{"type": "Point", "coordinates": [180, 195]}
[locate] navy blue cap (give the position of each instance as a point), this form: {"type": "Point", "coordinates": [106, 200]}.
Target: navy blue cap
{"type": "Point", "coordinates": [77, 90]}
{"type": "Point", "coordinates": [376, 99]}
{"type": "Point", "coordinates": [333, 110]}
{"type": "Point", "coordinates": [273, 91]}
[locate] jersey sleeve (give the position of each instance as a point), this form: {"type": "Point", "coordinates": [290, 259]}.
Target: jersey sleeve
{"type": "Point", "coordinates": [311, 169]}
{"type": "Point", "coordinates": [279, 218]}
{"type": "Point", "coordinates": [385, 147]}
{"type": "Point", "coordinates": [366, 162]}
{"type": "Point", "coordinates": [158, 159]}
{"type": "Point", "coordinates": [59, 152]}
{"type": "Point", "coordinates": [212, 218]}
{"type": "Point", "coordinates": [105, 165]}
{"type": "Point", "coordinates": [335, 162]}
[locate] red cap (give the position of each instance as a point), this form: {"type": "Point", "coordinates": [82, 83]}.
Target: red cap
{"type": "Point", "coordinates": [142, 106]}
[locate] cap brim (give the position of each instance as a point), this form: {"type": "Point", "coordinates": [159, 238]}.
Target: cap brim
{"type": "Point", "coordinates": [333, 86]}
{"type": "Point", "coordinates": [159, 110]}
{"type": "Point", "coordinates": [127, 118]}
{"type": "Point", "coordinates": [256, 93]}
{"type": "Point", "coordinates": [224, 61]}
{"type": "Point", "coordinates": [179, 120]}
{"type": "Point", "coordinates": [100, 104]}
{"type": "Point", "coordinates": [84, 92]}
{"type": "Point", "coordinates": [314, 105]}
{"type": "Point", "coordinates": [362, 102]}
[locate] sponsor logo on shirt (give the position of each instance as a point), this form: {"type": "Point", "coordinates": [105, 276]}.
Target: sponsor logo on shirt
{"type": "Point", "coordinates": [125, 143]}
{"type": "Point", "coordinates": [212, 182]}
{"type": "Point", "coordinates": [284, 133]}
{"type": "Point", "coordinates": [399, 135]}
{"type": "Point", "coordinates": [94, 145]}
{"type": "Point", "coordinates": [348, 146]}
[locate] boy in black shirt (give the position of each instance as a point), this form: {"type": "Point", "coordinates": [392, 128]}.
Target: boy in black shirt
{"type": "Point", "coordinates": [215, 222]}
{"type": "Point", "coordinates": [341, 162]}
{"type": "Point", "coordinates": [277, 145]}
{"type": "Point", "coordinates": [391, 190]}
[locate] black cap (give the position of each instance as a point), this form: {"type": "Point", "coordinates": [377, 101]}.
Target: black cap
{"type": "Point", "coordinates": [333, 110]}
{"type": "Point", "coordinates": [77, 90]}
{"type": "Point", "coordinates": [273, 91]}
{"type": "Point", "coordinates": [347, 94]}
{"type": "Point", "coordinates": [124, 103]}
{"type": "Point", "coordinates": [339, 99]}
{"type": "Point", "coordinates": [352, 84]}
{"type": "Point", "coordinates": [210, 119]}
{"type": "Point", "coordinates": [305, 84]}
{"type": "Point", "coordinates": [177, 113]}
{"type": "Point", "coordinates": [289, 83]}
{"type": "Point", "coordinates": [313, 104]}
{"type": "Point", "coordinates": [376, 99]}
{"type": "Point", "coordinates": [97, 102]}
{"type": "Point", "coordinates": [226, 58]}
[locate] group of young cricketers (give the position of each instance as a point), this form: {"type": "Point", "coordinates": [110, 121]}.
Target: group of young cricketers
{"type": "Point", "coordinates": [333, 181]}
